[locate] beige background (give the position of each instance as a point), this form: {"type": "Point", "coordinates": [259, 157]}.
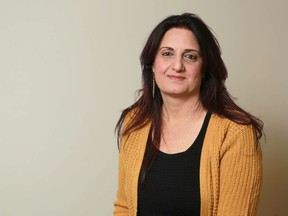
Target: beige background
{"type": "Point", "coordinates": [68, 67]}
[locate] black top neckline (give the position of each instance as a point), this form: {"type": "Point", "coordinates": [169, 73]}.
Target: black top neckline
{"type": "Point", "coordinates": [200, 134]}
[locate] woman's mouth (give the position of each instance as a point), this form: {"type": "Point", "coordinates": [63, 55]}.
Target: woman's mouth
{"type": "Point", "coordinates": [177, 78]}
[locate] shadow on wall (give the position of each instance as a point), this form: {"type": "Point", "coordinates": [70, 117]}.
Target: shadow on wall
{"type": "Point", "coordinates": [275, 182]}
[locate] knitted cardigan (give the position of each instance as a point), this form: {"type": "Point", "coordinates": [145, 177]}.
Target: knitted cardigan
{"type": "Point", "coordinates": [230, 170]}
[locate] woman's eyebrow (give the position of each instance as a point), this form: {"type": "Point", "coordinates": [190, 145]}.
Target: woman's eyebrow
{"type": "Point", "coordinates": [185, 50]}
{"type": "Point", "coordinates": [170, 48]}
{"type": "Point", "coordinates": [192, 50]}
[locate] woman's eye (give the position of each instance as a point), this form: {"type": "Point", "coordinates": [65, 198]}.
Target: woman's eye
{"type": "Point", "coordinates": [167, 53]}
{"type": "Point", "coordinates": [190, 57]}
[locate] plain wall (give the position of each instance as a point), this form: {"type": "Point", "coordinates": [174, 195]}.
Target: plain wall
{"type": "Point", "coordinates": [68, 68]}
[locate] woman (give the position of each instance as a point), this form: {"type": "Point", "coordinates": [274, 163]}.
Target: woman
{"type": "Point", "coordinates": [185, 147]}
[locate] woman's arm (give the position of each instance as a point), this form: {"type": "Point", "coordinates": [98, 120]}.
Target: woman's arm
{"type": "Point", "coordinates": [240, 173]}
{"type": "Point", "coordinates": [120, 205]}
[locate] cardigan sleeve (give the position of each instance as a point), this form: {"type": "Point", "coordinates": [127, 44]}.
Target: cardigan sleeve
{"type": "Point", "coordinates": [120, 205]}
{"type": "Point", "coordinates": [240, 172]}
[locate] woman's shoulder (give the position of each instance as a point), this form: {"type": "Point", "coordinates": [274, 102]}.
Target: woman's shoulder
{"type": "Point", "coordinates": [228, 127]}
{"type": "Point", "coordinates": [134, 137]}
{"type": "Point", "coordinates": [226, 134]}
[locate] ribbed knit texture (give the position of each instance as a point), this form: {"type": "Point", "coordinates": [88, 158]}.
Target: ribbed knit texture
{"type": "Point", "coordinates": [230, 170]}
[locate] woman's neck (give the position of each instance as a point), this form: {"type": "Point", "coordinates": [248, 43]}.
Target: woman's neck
{"type": "Point", "coordinates": [175, 109]}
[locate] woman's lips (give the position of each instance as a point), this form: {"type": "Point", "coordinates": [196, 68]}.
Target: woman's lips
{"type": "Point", "coordinates": [178, 78]}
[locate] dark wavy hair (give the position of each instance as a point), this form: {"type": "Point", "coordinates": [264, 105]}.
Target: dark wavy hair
{"type": "Point", "coordinates": [214, 96]}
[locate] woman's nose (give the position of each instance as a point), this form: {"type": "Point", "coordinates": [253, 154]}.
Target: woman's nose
{"type": "Point", "coordinates": [178, 64]}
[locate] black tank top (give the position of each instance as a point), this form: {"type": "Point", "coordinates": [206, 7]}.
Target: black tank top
{"type": "Point", "coordinates": [171, 186]}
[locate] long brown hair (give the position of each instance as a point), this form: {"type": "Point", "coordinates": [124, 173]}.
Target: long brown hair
{"type": "Point", "coordinates": [213, 94]}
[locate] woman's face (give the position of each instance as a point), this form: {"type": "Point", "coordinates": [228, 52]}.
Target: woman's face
{"type": "Point", "coordinates": [177, 65]}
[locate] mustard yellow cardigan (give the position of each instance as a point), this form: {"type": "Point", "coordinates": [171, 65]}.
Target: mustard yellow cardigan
{"type": "Point", "coordinates": [230, 170]}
